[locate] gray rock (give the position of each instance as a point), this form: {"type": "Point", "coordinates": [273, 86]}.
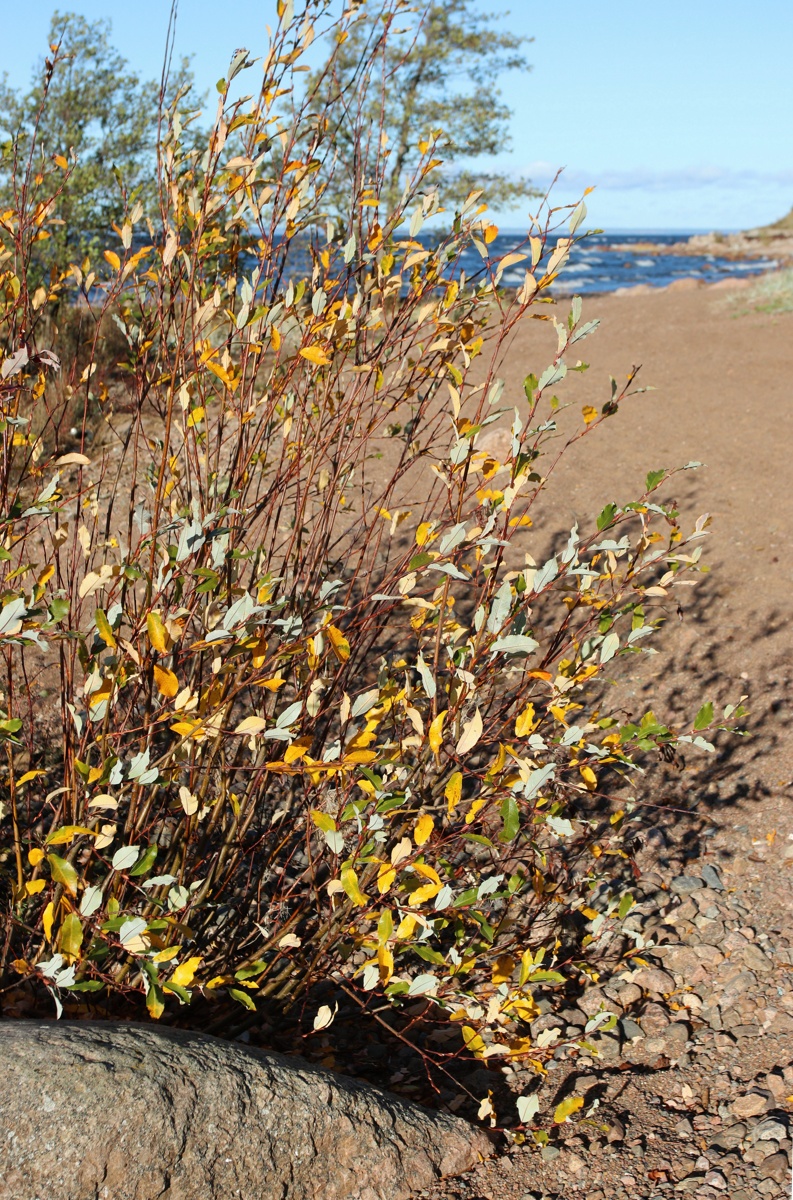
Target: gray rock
{"type": "Point", "coordinates": [630, 1029]}
{"type": "Point", "coordinates": [105, 1111]}
{"type": "Point", "coordinates": [712, 878]}
{"type": "Point", "coordinates": [683, 884]}
{"type": "Point", "coordinates": [771, 1127]}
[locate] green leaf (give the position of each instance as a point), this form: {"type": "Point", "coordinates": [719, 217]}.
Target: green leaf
{"type": "Point", "coordinates": [177, 990]}
{"type": "Point", "coordinates": [146, 863]}
{"type": "Point", "coordinates": [704, 716]}
{"type": "Point", "coordinates": [71, 935]}
{"type": "Point", "coordinates": [249, 972]}
{"type": "Point", "coordinates": [420, 560]}
{"type": "Point", "coordinates": [530, 387]}
{"type": "Point", "coordinates": [626, 904]}
{"type": "Point", "coordinates": [88, 985]}
{"type": "Point", "coordinates": [653, 479]}
{"type": "Point", "coordinates": [242, 998]}
{"type": "Point", "coordinates": [607, 516]}
{"type": "Point", "coordinates": [63, 872]}
{"type": "Point", "coordinates": [510, 815]}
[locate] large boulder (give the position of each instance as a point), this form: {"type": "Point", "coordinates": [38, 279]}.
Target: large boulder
{"type": "Point", "coordinates": [131, 1112]}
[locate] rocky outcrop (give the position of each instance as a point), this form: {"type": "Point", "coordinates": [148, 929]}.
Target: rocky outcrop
{"type": "Point", "coordinates": [117, 1111]}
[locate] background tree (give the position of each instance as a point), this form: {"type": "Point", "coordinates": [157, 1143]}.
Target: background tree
{"type": "Point", "coordinates": [439, 71]}
{"type": "Point", "coordinates": [100, 122]}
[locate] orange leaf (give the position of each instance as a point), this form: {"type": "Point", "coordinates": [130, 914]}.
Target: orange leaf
{"type": "Point", "coordinates": [167, 683]}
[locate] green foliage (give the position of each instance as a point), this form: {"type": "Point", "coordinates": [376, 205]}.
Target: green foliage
{"type": "Point", "coordinates": [98, 123]}
{"type": "Point", "coordinates": [411, 74]}
{"type": "Point", "coordinates": [318, 716]}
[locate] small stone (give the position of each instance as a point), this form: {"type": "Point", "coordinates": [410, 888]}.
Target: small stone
{"type": "Point", "coordinates": [729, 1138]}
{"type": "Point", "coordinates": [653, 979]}
{"type": "Point", "coordinates": [627, 995]}
{"type": "Point", "coordinates": [750, 1105]}
{"type": "Point", "coordinates": [592, 1001]}
{"type": "Point", "coordinates": [574, 1164]}
{"type": "Point", "coordinates": [549, 1153]}
{"type": "Point", "coordinates": [654, 1020]}
{"type": "Point", "coordinates": [712, 878]}
{"type": "Point", "coordinates": [684, 1127]}
{"type": "Point", "coordinates": [741, 1194]}
{"type": "Point", "coordinates": [683, 884]}
{"type": "Point", "coordinates": [755, 959]}
{"type": "Point", "coordinates": [616, 1132]}
{"type": "Point", "coordinates": [630, 1029]}
{"type": "Point", "coordinates": [715, 1179]}
{"type": "Point", "coordinates": [771, 1127]}
{"type": "Point", "coordinates": [777, 1167]}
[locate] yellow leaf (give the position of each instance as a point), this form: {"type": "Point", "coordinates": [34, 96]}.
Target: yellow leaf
{"type": "Point", "coordinates": [35, 856]}
{"type": "Point", "coordinates": [26, 778]}
{"type": "Point", "coordinates": [104, 629]}
{"type": "Point", "coordinates": [589, 777]}
{"type": "Point", "coordinates": [589, 414]}
{"type": "Point", "coordinates": [183, 975]}
{"type": "Point", "coordinates": [315, 354]}
{"type": "Point", "coordinates": [472, 731]}
{"type": "Point", "coordinates": [113, 259]}
{"type": "Point", "coordinates": [166, 955]}
{"type": "Point", "coordinates": [426, 892]}
{"type": "Point", "coordinates": [298, 749]}
{"type": "Point", "coordinates": [424, 532]}
{"type": "Point", "coordinates": [385, 961]}
{"type": "Point", "coordinates": [566, 1109]}
{"type": "Point", "coordinates": [66, 833]}
{"type": "Point", "coordinates": [222, 375]}
{"type": "Point", "coordinates": [158, 635]}
{"type": "Point", "coordinates": [167, 683]}
{"type": "Point", "coordinates": [34, 886]}
{"type": "Point", "coordinates": [349, 881]}
{"type": "Point", "coordinates": [423, 829]}
{"type": "Point", "coordinates": [341, 647]}
{"type": "Point", "coordinates": [273, 684]}
{"type": "Point", "coordinates": [525, 722]}
{"type": "Point", "coordinates": [385, 877]}
{"type": "Point", "coordinates": [47, 918]}
{"type": "Point", "coordinates": [322, 820]}
{"type": "Point", "coordinates": [453, 792]}
{"type": "Point", "coordinates": [436, 732]}
{"type": "Point", "coordinates": [154, 1002]}
{"type": "Point", "coordinates": [406, 927]}
{"type": "Point", "coordinates": [251, 725]}
{"type": "Point", "coordinates": [61, 162]}
{"type": "Point", "coordinates": [491, 233]}
{"type": "Point", "coordinates": [503, 968]}
{"type": "Point", "coordinates": [473, 1041]}
{"type": "Point", "coordinates": [470, 816]}
{"type": "Point", "coordinates": [197, 415]}
{"type": "Point", "coordinates": [275, 339]}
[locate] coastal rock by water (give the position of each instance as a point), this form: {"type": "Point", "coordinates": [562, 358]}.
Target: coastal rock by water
{"type": "Point", "coordinates": [105, 1111]}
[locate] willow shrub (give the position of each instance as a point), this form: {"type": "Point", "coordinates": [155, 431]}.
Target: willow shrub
{"type": "Point", "coordinates": [283, 701]}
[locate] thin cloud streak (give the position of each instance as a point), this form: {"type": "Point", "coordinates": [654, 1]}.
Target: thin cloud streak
{"type": "Point", "coordinates": [645, 179]}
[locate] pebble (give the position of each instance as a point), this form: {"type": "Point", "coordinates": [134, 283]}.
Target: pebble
{"type": "Point", "coordinates": [712, 878]}
{"type": "Point", "coordinates": [755, 959]}
{"type": "Point", "coordinates": [653, 979]}
{"type": "Point", "coordinates": [750, 1105]}
{"type": "Point", "coordinates": [683, 884]}
{"type": "Point", "coordinates": [777, 1167]}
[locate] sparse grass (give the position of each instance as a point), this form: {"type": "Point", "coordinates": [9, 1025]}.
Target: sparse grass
{"type": "Point", "coordinates": [772, 293]}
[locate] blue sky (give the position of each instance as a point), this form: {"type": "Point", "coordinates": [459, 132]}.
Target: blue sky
{"type": "Point", "coordinates": [678, 112]}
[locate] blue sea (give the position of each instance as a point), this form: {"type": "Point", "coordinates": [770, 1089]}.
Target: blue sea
{"type": "Point", "coordinates": [594, 267]}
